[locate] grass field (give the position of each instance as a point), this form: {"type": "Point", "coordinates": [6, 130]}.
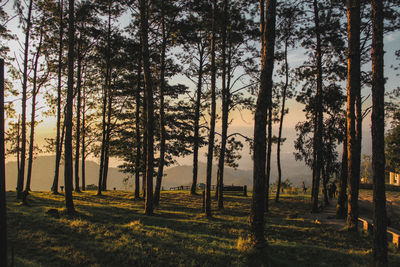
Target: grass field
{"type": "Point", "coordinates": [111, 230]}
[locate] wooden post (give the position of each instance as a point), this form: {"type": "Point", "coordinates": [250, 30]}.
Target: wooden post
{"type": "Point", "coordinates": [245, 190]}
{"type": "Point", "coordinates": [3, 221]}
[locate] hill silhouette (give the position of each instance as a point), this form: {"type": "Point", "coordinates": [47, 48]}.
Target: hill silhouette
{"type": "Point", "coordinates": [43, 174]}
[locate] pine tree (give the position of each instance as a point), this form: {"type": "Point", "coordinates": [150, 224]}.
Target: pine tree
{"type": "Point", "coordinates": [68, 169]}
{"type": "Point", "coordinates": [260, 118]}
{"type": "Point", "coordinates": [379, 248]}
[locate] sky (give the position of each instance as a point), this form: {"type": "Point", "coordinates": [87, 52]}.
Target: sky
{"type": "Point", "coordinates": [241, 121]}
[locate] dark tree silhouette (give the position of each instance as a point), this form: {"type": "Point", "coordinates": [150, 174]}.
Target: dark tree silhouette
{"type": "Point", "coordinates": [3, 211]}
{"type": "Point", "coordinates": [353, 91]}
{"type": "Point", "coordinates": [54, 187]}
{"type": "Point", "coordinates": [260, 119]}
{"type": "Point", "coordinates": [379, 248]}
{"type": "Point", "coordinates": [144, 26]}
{"type": "Point", "coordinates": [21, 174]}
{"type": "Point", "coordinates": [68, 169]}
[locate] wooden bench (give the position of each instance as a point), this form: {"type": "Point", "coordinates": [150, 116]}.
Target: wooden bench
{"type": "Point", "coordinates": [392, 234]}
{"type": "Point", "coordinates": [236, 188]}
{"type": "Point", "coordinates": [182, 187]}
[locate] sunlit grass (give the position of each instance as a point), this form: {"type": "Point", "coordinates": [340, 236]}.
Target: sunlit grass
{"type": "Point", "coordinates": [111, 230]}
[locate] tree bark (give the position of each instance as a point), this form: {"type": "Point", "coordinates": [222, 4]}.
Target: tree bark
{"type": "Point", "coordinates": [150, 109]}
{"type": "Point", "coordinates": [3, 207]}
{"type": "Point", "coordinates": [278, 149]}
{"type": "Point", "coordinates": [318, 120]}
{"type": "Point", "coordinates": [83, 171]}
{"type": "Point", "coordinates": [196, 123]}
{"type": "Point", "coordinates": [107, 140]}
{"type": "Point", "coordinates": [342, 196]}
{"type": "Point", "coordinates": [213, 115]}
{"type": "Point", "coordinates": [269, 148]}
{"type": "Point", "coordinates": [225, 111]}
{"type": "Point", "coordinates": [106, 91]}
{"type": "Point", "coordinates": [78, 116]}
{"type": "Point", "coordinates": [161, 161]}
{"type": "Point", "coordinates": [68, 171]}
{"type": "Point", "coordinates": [54, 187]}
{"type": "Point", "coordinates": [21, 174]}
{"type": "Point", "coordinates": [35, 91]}
{"type": "Point", "coordinates": [138, 142]}
{"type": "Point", "coordinates": [353, 90]}
{"type": "Point", "coordinates": [379, 249]}
{"type": "Point", "coordinates": [260, 120]}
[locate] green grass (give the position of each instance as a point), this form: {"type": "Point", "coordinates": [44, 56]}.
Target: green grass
{"type": "Point", "coordinates": [111, 230]}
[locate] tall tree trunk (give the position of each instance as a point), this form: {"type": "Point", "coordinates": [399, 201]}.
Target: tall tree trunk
{"type": "Point", "coordinates": [35, 91]}
{"type": "Point", "coordinates": [353, 90]}
{"type": "Point", "coordinates": [161, 161]}
{"type": "Point", "coordinates": [68, 171]}
{"type": "Point", "coordinates": [108, 134]}
{"type": "Point", "coordinates": [54, 187]}
{"type": "Point", "coordinates": [83, 171]}
{"type": "Point", "coordinates": [325, 179]}
{"type": "Point", "coordinates": [269, 148]}
{"type": "Point", "coordinates": [225, 112]}
{"type": "Point", "coordinates": [21, 174]}
{"type": "Point", "coordinates": [196, 123]}
{"type": "Point", "coordinates": [379, 249]}
{"type": "Point", "coordinates": [3, 208]}
{"type": "Point", "coordinates": [260, 121]}
{"type": "Point", "coordinates": [18, 143]}
{"type": "Point", "coordinates": [106, 91]}
{"type": "Point", "coordinates": [278, 148]}
{"type": "Point", "coordinates": [78, 116]}
{"type": "Point", "coordinates": [318, 120]}
{"type": "Point", "coordinates": [342, 196]}
{"type": "Point", "coordinates": [144, 143]}
{"type": "Point", "coordinates": [138, 142]}
{"type": "Point", "coordinates": [150, 109]}
{"type": "Point", "coordinates": [213, 115]}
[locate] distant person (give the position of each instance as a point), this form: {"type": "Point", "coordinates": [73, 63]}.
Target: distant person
{"type": "Point", "coordinates": [304, 188]}
{"type": "Point", "coordinates": [334, 188]}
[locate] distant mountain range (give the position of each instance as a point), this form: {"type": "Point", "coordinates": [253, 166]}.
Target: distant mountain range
{"type": "Point", "coordinates": [43, 174]}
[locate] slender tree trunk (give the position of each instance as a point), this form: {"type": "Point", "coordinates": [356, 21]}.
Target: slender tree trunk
{"type": "Point", "coordinates": [107, 141]}
{"type": "Point", "coordinates": [318, 120]}
{"type": "Point", "coordinates": [54, 187]}
{"type": "Point", "coordinates": [21, 174]}
{"type": "Point", "coordinates": [379, 249]}
{"type": "Point", "coordinates": [213, 115]}
{"type": "Point", "coordinates": [83, 174]}
{"type": "Point", "coordinates": [162, 113]}
{"type": "Point", "coordinates": [353, 90]}
{"type": "Point", "coordinates": [325, 178]}
{"type": "Point", "coordinates": [68, 171]}
{"type": "Point", "coordinates": [106, 91]}
{"type": "Point", "coordinates": [138, 142]}
{"type": "Point", "coordinates": [150, 109]}
{"type": "Point", "coordinates": [144, 143]}
{"type": "Point", "coordinates": [78, 117]}
{"type": "Point", "coordinates": [269, 148]}
{"type": "Point", "coordinates": [3, 208]}
{"type": "Point", "coordinates": [225, 112]}
{"type": "Point", "coordinates": [196, 123]}
{"type": "Point", "coordinates": [260, 120]}
{"type": "Point", "coordinates": [278, 149]}
{"type": "Point", "coordinates": [18, 142]}
{"type": "Point", "coordinates": [342, 196]}
{"type": "Point", "coordinates": [35, 91]}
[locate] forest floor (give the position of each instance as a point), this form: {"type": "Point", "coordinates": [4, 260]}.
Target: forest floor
{"type": "Point", "coordinates": [112, 230]}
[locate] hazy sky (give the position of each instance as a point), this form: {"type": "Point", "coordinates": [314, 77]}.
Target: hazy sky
{"type": "Point", "coordinates": [242, 122]}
